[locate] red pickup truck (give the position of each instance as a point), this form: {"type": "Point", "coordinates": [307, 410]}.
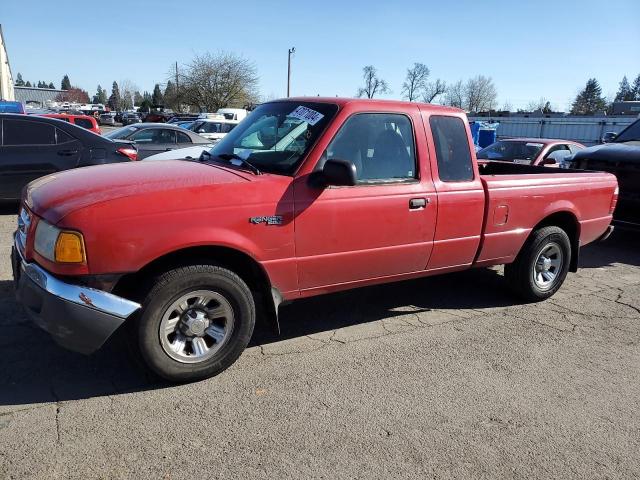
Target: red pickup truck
{"type": "Point", "coordinates": [304, 197]}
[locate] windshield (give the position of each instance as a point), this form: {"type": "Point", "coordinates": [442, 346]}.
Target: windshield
{"type": "Point", "coordinates": [629, 134]}
{"type": "Point", "coordinates": [276, 136]}
{"type": "Point", "coordinates": [120, 133]}
{"type": "Point", "coordinates": [510, 151]}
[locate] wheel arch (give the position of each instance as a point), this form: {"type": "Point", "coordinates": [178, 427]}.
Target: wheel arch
{"type": "Point", "coordinates": [567, 221]}
{"type": "Point", "coordinates": [133, 285]}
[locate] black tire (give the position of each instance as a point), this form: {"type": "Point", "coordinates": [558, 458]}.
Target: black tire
{"type": "Point", "coordinates": [520, 275]}
{"type": "Point", "coordinates": [173, 285]}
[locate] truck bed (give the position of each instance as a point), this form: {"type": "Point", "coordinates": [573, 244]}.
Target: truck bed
{"type": "Point", "coordinates": [519, 197]}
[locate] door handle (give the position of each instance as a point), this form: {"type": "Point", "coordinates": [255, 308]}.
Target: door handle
{"type": "Point", "coordinates": [67, 153]}
{"type": "Point", "coordinates": [417, 203]}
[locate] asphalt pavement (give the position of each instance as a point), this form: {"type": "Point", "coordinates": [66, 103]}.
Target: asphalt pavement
{"type": "Point", "coordinates": [445, 377]}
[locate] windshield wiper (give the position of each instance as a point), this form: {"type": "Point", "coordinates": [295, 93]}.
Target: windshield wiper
{"type": "Point", "coordinates": [235, 156]}
{"type": "Point", "coordinates": [232, 156]}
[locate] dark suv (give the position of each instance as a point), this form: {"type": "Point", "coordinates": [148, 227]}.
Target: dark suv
{"type": "Point", "coordinates": [622, 158]}
{"type": "Point", "coordinates": [31, 147]}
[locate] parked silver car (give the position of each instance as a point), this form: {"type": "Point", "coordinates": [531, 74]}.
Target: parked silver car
{"type": "Point", "coordinates": [107, 119]}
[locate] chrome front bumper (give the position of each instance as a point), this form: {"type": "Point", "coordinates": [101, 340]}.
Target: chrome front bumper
{"type": "Point", "coordinates": [78, 318]}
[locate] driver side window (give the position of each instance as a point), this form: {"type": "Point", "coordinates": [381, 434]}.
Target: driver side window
{"type": "Point", "coordinates": [380, 145]}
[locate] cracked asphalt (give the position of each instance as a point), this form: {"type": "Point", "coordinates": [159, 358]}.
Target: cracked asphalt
{"type": "Point", "coordinates": [445, 377]}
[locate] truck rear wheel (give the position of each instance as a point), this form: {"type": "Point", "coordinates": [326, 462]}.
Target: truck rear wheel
{"type": "Point", "coordinates": [195, 322]}
{"type": "Point", "coordinates": [541, 266]}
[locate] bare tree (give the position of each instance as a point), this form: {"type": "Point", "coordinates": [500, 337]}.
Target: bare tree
{"type": "Point", "coordinates": [372, 84]}
{"type": "Point", "coordinates": [415, 82]}
{"type": "Point", "coordinates": [213, 81]}
{"type": "Point", "coordinates": [479, 94]}
{"type": "Point", "coordinates": [506, 106]}
{"type": "Point", "coordinates": [433, 90]}
{"type": "Point", "coordinates": [455, 95]}
{"type": "Point", "coordinates": [127, 94]}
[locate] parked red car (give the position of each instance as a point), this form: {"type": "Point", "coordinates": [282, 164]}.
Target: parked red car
{"type": "Point", "coordinates": [530, 151]}
{"type": "Point", "coordinates": [304, 197]}
{"type": "Point", "coordinates": [84, 121]}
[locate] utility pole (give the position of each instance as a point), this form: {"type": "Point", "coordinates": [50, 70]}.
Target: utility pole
{"type": "Point", "coordinates": [176, 78]}
{"type": "Point", "coordinates": [292, 50]}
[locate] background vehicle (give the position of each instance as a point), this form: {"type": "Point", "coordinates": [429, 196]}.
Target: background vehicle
{"type": "Point", "coordinates": [7, 106]}
{"type": "Point", "coordinates": [213, 129]}
{"type": "Point", "coordinates": [531, 151]}
{"type": "Point", "coordinates": [129, 118]}
{"type": "Point", "coordinates": [189, 153]}
{"type": "Point", "coordinates": [182, 118]}
{"type": "Point", "coordinates": [107, 119]}
{"type": "Point", "coordinates": [301, 198]}
{"type": "Point", "coordinates": [157, 117]}
{"type": "Point", "coordinates": [237, 114]}
{"type": "Point", "coordinates": [84, 121]}
{"type": "Point", "coordinates": [35, 146]}
{"type": "Point", "coordinates": [152, 138]}
{"type": "Point", "coordinates": [621, 156]}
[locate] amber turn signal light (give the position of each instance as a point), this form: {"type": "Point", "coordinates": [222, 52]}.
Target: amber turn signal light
{"type": "Point", "coordinates": [70, 248]}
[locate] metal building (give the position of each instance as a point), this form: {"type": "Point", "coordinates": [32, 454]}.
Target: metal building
{"type": "Point", "coordinates": [586, 130]}
{"type": "Point", "coordinates": [33, 97]}
{"type": "Point", "coordinates": [6, 79]}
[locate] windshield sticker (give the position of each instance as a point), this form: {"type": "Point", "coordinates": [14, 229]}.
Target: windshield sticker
{"type": "Point", "coordinates": [522, 162]}
{"type": "Point", "coordinates": [306, 115]}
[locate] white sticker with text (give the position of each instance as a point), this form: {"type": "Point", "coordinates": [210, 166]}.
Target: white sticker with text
{"type": "Point", "coordinates": [307, 115]}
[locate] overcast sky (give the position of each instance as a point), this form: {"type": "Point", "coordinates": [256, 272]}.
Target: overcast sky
{"type": "Point", "coordinates": [531, 49]}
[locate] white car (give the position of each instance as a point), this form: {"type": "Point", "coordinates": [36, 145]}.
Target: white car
{"type": "Point", "coordinates": [213, 129]}
{"type": "Point", "coordinates": [189, 153]}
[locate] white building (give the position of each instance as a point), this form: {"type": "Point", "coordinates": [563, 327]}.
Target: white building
{"type": "Point", "coordinates": [6, 79]}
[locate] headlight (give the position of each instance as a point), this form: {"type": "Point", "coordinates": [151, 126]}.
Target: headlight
{"type": "Point", "coordinates": [62, 246]}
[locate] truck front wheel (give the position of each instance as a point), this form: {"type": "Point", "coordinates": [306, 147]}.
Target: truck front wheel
{"type": "Point", "coordinates": [541, 266]}
{"type": "Point", "coordinates": [195, 322]}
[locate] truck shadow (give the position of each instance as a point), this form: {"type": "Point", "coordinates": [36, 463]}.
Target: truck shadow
{"type": "Point", "coordinates": [474, 289]}
{"type": "Point", "coordinates": [33, 369]}
{"type": "Point", "coordinates": [622, 247]}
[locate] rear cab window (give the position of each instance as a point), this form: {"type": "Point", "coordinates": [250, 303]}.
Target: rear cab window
{"type": "Point", "coordinates": [84, 123]}
{"type": "Point", "coordinates": [452, 149]}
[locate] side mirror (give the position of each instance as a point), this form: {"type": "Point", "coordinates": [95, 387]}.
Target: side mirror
{"type": "Point", "coordinates": [339, 173]}
{"type": "Point", "coordinates": [549, 161]}
{"type": "Point", "coordinates": [608, 137]}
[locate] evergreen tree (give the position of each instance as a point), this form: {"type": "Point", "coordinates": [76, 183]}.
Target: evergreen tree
{"type": "Point", "coordinates": [137, 98]}
{"type": "Point", "coordinates": [171, 99]}
{"type": "Point", "coordinates": [114, 99]}
{"type": "Point", "coordinates": [146, 105]}
{"type": "Point", "coordinates": [19, 81]}
{"type": "Point", "coordinates": [146, 96]}
{"type": "Point", "coordinates": [66, 83]}
{"type": "Point", "coordinates": [624, 92]}
{"type": "Point", "coordinates": [157, 97]}
{"type": "Point", "coordinates": [51, 85]}
{"type": "Point", "coordinates": [589, 101]}
{"type": "Point", "coordinates": [28, 84]}
{"type": "Point", "coordinates": [635, 89]}
{"type": "Point", "coordinates": [100, 96]}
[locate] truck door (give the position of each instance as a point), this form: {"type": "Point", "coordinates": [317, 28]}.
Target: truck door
{"type": "Point", "coordinates": [461, 196]}
{"type": "Point", "coordinates": [384, 225]}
